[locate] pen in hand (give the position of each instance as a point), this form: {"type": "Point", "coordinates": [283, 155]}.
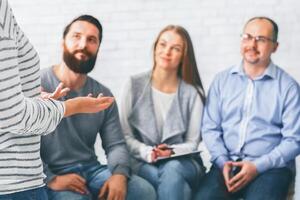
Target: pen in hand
{"type": "Point", "coordinates": [162, 150]}
{"type": "Point", "coordinates": [164, 147]}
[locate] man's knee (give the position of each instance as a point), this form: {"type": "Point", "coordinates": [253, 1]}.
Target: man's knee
{"type": "Point", "coordinates": [272, 184]}
{"type": "Point", "coordinates": [97, 181]}
{"type": "Point", "coordinates": [63, 195]}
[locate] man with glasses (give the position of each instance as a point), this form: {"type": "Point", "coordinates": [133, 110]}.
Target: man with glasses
{"type": "Point", "coordinates": [251, 123]}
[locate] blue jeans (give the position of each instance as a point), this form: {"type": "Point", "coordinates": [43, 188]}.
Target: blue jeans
{"type": "Point", "coordinates": [95, 176]}
{"type": "Point", "coordinates": [297, 179]}
{"type": "Point", "coordinates": [34, 194]}
{"type": "Point", "coordinates": [272, 184]}
{"type": "Point", "coordinates": [172, 179]}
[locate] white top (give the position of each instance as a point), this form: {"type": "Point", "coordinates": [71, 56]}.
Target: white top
{"type": "Point", "coordinates": [162, 102]}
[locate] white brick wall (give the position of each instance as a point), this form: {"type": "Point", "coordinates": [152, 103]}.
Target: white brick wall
{"type": "Point", "coordinates": [130, 27]}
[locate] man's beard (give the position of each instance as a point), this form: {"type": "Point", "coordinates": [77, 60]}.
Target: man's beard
{"type": "Point", "coordinates": [79, 66]}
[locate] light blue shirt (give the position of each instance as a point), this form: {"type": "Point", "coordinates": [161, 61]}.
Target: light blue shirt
{"type": "Point", "coordinates": [256, 120]}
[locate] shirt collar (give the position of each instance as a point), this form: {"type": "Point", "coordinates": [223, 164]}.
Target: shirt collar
{"type": "Point", "coordinates": [269, 72]}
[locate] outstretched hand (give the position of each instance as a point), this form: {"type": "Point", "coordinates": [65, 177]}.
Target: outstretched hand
{"type": "Point", "coordinates": [87, 104]}
{"type": "Point", "coordinates": [59, 92]}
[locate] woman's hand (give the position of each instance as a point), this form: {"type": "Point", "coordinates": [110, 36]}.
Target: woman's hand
{"type": "Point", "coordinates": [161, 150]}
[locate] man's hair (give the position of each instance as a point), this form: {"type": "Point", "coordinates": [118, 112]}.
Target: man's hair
{"type": "Point", "coordinates": [86, 18]}
{"type": "Point", "coordinates": [275, 26]}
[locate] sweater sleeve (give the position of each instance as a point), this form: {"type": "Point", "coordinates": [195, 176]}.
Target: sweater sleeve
{"type": "Point", "coordinates": [114, 143]}
{"type": "Point", "coordinates": [21, 109]}
{"type": "Point", "coordinates": [136, 148]}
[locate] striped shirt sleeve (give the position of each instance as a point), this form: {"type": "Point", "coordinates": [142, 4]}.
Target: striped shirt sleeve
{"type": "Point", "coordinates": [22, 111]}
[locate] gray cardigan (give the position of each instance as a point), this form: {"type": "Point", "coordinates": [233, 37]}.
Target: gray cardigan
{"type": "Point", "coordinates": [142, 118]}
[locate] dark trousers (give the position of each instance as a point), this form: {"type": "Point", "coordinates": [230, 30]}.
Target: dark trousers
{"type": "Point", "coordinates": [272, 184]}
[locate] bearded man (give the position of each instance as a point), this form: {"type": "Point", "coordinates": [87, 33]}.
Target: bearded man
{"type": "Point", "coordinates": [71, 165]}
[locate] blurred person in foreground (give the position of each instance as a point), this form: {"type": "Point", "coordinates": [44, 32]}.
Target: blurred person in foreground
{"type": "Point", "coordinates": [25, 115]}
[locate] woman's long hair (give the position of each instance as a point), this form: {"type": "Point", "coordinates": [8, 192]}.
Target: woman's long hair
{"type": "Point", "coordinates": [187, 69]}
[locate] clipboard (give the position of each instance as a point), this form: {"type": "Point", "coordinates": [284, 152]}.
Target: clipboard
{"type": "Point", "coordinates": [191, 153]}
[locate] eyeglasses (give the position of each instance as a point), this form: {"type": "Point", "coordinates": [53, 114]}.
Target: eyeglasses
{"type": "Point", "coordinates": [246, 37]}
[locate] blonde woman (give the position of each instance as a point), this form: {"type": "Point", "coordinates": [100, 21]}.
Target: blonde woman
{"type": "Point", "coordinates": [161, 115]}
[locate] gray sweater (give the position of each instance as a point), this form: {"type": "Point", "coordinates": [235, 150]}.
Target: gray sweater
{"type": "Point", "coordinates": [73, 140]}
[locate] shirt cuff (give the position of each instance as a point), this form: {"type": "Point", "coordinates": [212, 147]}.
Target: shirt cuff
{"type": "Point", "coordinates": [262, 164]}
{"type": "Point", "coordinates": [145, 153]}
{"type": "Point", "coordinates": [124, 170]}
{"type": "Point", "coordinates": [220, 161]}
